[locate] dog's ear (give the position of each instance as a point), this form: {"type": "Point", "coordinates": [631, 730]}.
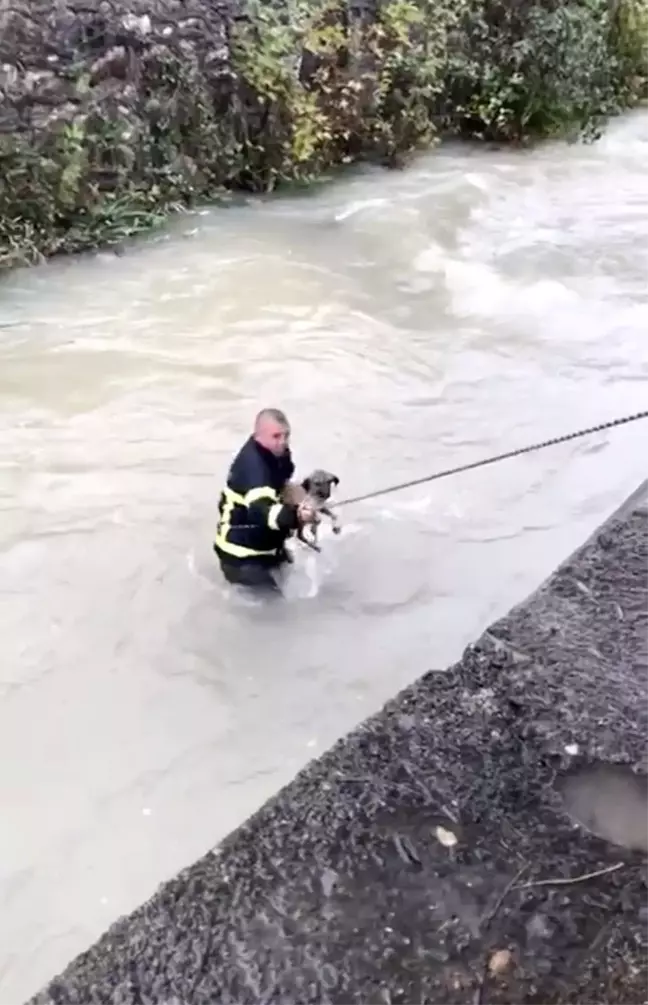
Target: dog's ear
{"type": "Point", "coordinates": [306, 484]}
{"type": "Point", "coordinates": [335, 480]}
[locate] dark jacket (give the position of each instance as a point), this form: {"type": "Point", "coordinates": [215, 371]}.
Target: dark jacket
{"type": "Point", "coordinates": [253, 523]}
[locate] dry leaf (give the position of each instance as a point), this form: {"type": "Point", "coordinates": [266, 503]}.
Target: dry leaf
{"type": "Point", "coordinates": [447, 838]}
{"type": "Point", "coordinates": [500, 961]}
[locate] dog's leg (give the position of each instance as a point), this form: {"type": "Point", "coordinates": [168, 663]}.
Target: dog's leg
{"type": "Point", "coordinates": [293, 494]}
{"type": "Point", "coordinates": [301, 536]}
{"type": "Point", "coordinates": [309, 540]}
{"type": "Point", "coordinates": [313, 545]}
{"type": "Point", "coordinates": [333, 518]}
{"type": "Point", "coordinates": [287, 554]}
{"type": "Point", "coordinates": [313, 541]}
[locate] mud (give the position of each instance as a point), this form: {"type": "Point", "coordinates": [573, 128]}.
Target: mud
{"type": "Point", "coordinates": [428, 856]}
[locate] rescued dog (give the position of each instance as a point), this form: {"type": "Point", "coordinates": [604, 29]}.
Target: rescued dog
{"type": "Point", "coordinates": [316, 489]}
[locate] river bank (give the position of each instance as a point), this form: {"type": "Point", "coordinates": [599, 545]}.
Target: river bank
{"type": "Point", "coordinates": [115, 115]}
{"type": "Point", "coordinates": [436, 853]}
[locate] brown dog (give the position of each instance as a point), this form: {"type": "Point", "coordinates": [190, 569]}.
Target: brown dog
{"type": "Point", "coordinates": [316, 489]}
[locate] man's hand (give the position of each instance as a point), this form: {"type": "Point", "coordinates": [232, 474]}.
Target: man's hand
{"type": "Point", "coordinates": [306, 512]}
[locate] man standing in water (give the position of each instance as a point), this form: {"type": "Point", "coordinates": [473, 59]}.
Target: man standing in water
{"type": "Point", "coordinates": [254, 521]}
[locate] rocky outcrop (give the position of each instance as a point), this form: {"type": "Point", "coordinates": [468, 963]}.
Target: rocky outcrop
{"type": "Point", "coordinates": [115, 112]}
{"type": "Point", "coordinates": [481, 839]}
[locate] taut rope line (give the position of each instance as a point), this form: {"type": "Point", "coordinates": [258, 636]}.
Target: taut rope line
{"type": "Point", "coordinates": [492, 460]}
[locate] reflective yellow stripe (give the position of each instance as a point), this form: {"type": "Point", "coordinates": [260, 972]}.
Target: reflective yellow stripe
{"type": "Point", "coordinates": [254, 495]}
{"type": "Point", "coordinates": [233, 499]}
{"type": "Point", "coordinates": [273, 516]}
{"type": "Point", "coordinates": [238, 551]}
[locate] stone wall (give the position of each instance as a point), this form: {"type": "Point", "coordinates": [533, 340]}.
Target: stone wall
{"type": "Point", "coordinates": [115, 112]}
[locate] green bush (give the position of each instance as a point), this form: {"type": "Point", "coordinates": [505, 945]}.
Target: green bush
{"type": "Point", "coordinates": [535, 70]}
{"type": "Point", "coordinates": [112, 116]}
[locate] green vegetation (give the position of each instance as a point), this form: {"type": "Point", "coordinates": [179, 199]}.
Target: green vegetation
{"type": "Point", "coordinates": [111, 119]}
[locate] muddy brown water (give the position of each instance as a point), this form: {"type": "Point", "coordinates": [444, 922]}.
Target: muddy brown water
{"type": "Point", "coordinates": [406, 321]}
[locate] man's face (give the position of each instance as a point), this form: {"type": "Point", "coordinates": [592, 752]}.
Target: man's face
{"type": "Point", "coordinates": [274, 436]}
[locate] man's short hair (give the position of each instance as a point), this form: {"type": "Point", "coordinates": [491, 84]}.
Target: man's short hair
{"type": "Point", "coordinates": [271, 413]}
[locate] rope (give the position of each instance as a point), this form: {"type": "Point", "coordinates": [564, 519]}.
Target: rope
{"type": "Point", "coordinates": [492, 460]}
{"type": "Point", "coordinates": [485, 461]}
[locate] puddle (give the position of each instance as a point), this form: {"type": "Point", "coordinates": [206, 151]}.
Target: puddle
{"type": "Point", "coordinates": [609, 800]}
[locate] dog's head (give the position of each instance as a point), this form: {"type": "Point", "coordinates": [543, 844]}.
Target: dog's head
{"type": "Point", "coordinates": [319, 484]}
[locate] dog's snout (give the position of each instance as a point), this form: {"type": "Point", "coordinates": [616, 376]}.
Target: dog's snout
{"type": "Point", "coordinates": [320, 484]}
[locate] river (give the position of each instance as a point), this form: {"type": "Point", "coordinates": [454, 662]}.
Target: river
{"type": "Point", "coordinates": [406, 321]}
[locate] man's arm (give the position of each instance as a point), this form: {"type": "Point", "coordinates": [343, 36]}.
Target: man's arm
{"type": "Point", "coordinates": [293, 493]}
{"type": "Point", "coordinates": [267, 509]}
{"type": "Point", "coordinates": [266, 506]}
{"type": "Point", "coordinates": [284, 510]}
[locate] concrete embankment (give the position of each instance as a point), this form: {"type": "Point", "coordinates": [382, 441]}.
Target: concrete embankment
{"type": "Point", "coordinates": [436, 854]}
